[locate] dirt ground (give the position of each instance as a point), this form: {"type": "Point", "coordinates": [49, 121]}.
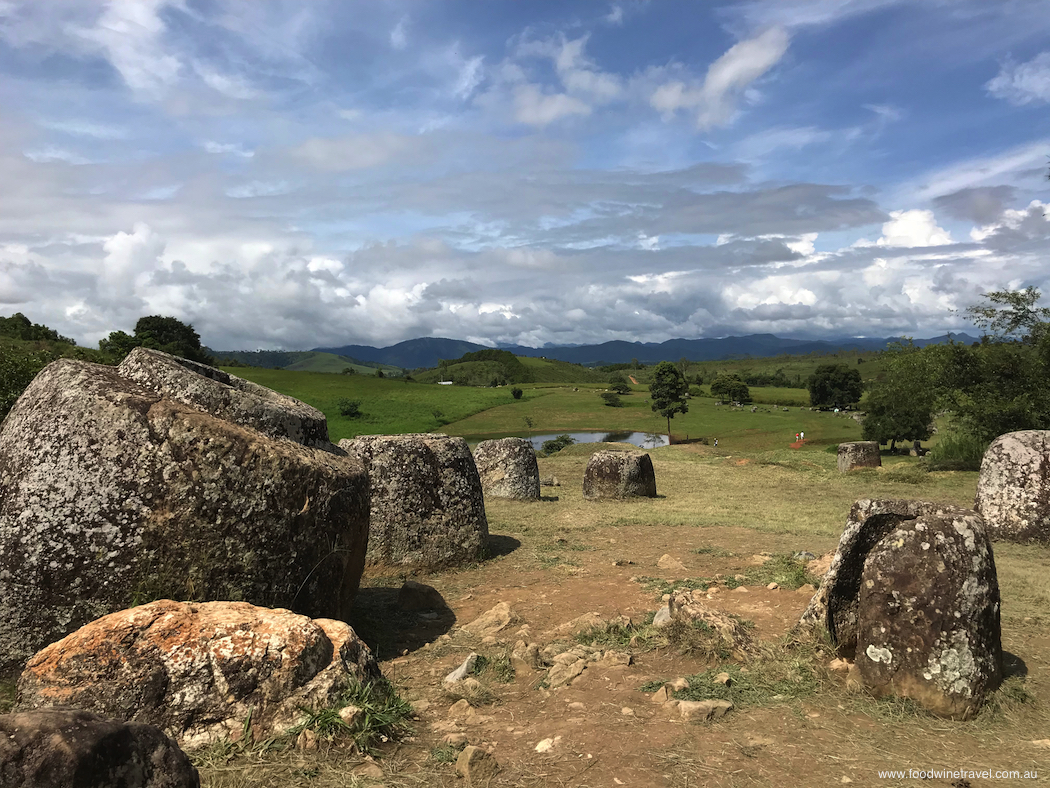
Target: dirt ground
{"type": "Point", "coordinates": [607, 732]}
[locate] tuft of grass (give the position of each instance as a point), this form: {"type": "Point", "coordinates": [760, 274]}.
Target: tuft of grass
{"type": "Point", "coordinates": [714, 552]}
{"type": "Point", "coordinates": [778, 674]}
{"type": "Point", "coordinates": [497, 669]}
{"type": "Point", "coordinates": [907, 473]}
{"type": "Point", "coordinates": [781, 569]}
{"type": "Point", "coordinates": [652, 686]}
{"type": "Point", "coordinates": [700, 639]}
{"type": "Point", "coordinates": [444, 753]}
{"type": "Point", "coordinates": [384, 716]}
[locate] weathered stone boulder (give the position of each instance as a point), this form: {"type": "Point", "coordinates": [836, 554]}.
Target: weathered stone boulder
{"type": "Point", "coordinates": [428, 509]}
{"type": "Point", "coordinates": [111, 493]}
{"type": "Point", "coordinates": [197, 670]}
{"type": "Point", "coordinates": [914, 583]}
{"type": "Point", "coordinates": [227, 397]}
{"type": "Point", "coordinates": [1013, 489]}
{"type": "Point", "coordinates": [928, 626]}
{"type": "Point", "coordinates": [508, 469]}
{"type": "Point", "coordinates": [619, 474]}
{"type": "Point", "coordinates": [861, 454]}
{"type": "Point", "coordinates": [73, 748]}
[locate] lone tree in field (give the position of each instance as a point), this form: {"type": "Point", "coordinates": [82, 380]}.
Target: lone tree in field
{"type": "Point", "coordinates": [730, 388]}
{"type": "Point", "coordinates": [835, 385]}
{"type": "Point", "coordinates": [158, 332]}
{"type": "Point", "coordinates": [667, 391]}
{"type": "Point", "coordinates": [901, 406]}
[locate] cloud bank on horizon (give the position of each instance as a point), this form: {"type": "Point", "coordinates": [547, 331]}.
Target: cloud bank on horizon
{"type": "Point", "coordinates": [291, 175]}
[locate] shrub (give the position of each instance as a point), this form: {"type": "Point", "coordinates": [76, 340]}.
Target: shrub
{"type": "Point", "coordinates": [351, 408]}
{"type": "Point", "coordinates": [612, 399]}
{"type": "Point", "coordinates": [555, 445]}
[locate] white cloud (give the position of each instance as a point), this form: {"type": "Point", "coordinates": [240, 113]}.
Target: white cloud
{"type": "Point", "coordinates": [230, 85]}
{"type": "Point", "coordinates": [1023, 83]}
{"type": "Point", "coordinates": [130, 35]}
{"type": "Point", "coordinates": [354, 152]}
{"type": "Point", "coordinates": [615, 16]}
{"type": "Point", "coordinates": [259, 189]}
{"type": "Point", "coordinates": [535, 108]}
{"type": "Point", "coordinates": [913, 228]}
{"type": "Point", "coordinates": [399, 36]}
{"type": "Point", "coordinates": [82, 128]}
{"type": "Point", "coordinates": [129, 257]}
{"type": "Point", "coordinates": [727, 79]}
{"type": "Point", "coordinates": [228, 147]}
{"type": "Point", "coordinates": [50, 153]}
{"type": "Point", "coordinates": [1002, 167]}
{"type": "Point", "coordinates": [471, 73]}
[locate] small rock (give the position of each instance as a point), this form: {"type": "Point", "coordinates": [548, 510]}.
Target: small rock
{"type": "Point", "coordinates": [702, 710]}
{"type": "Point", "coordinates": [1043, 743]}
{"type": "Point", "coordinates": [577, 706]}
{"type": "Point", "coordinates": [476, 765]}
{"type": "Point", "coordinates": [741, 590]}
{"type": "Point", "coordinates": [662, 695]}
{"type": "Point", "coordinates": [807, 588]}
{"type": "Point", "coordinates": [369, 769]}
{"type": "Point", "coordinates": [615, 659]}
{"type": "Point", "coordinates": [662, 617]}
{"type": "Point", "coordinates": [803, 555]}
{"type": "Point", "coordinates": [839, 666]}
{"type": "Point", "coordinates": [489, 640]}
{"type": "Point", "coordinates": [740, 578]}
{"type": "Point", "coordinates": [669, 562]}
{"type": "Point", "coordinates": [492, 621]}
{"type": "Point", "coordinates": [306, 740]}
{"type": "Point", "coordinates": [461, 708]}
{"type": "Point", "coordinates": [678, 684]}
{"type": "Point", "coordinates": [349, 714]}
{"type": "Point", "coordinates": [464, 670]}
{"type": "Point", "coordinates": [772, 587]}
{"type": "Point", "coordinates": [845, 780]}
{"type": "Point", "coordinates": [714, 590]}
{"type": "Point", "coordinates": [546, 745]}
{"type": "Point", "coordinates": [723, 679]}
{"type": "Point", "coordinates": [564, 674]}
{"type": "Point", "coordinates": [627, 711]}
{"type": "Point", "coordinates": [419, 706]}
{"type": "Point", "coordinates": [457, 740]}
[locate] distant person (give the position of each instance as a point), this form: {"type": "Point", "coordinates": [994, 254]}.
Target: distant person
{"type": "Point", "coordinates": [796, 437]}
{"type": "Point", "coordinates": [802, 436]}
{"type": "Point", "coordinates": [716, 443]}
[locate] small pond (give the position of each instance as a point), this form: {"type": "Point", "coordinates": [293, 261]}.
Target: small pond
{"type": "Point", "coordinates": [645, 440]}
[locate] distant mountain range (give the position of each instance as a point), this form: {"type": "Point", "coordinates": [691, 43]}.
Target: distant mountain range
{"type": "Point", "coordinates": [428, 351]}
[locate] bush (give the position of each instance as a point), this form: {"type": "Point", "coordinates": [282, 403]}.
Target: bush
{"type": "Point", "coordinates": [555, 445]}
{"type": "Point", "coordinates": [351, 408]}
{"type": "Point", "coordinates": [957, 451]}
{"type": "Point", "coordinates": [516, 392]}
{"type": "Point", "coordinates": [612, 399]}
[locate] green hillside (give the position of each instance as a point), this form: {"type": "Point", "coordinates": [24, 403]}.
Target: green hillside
{"type": "Point", "coordinates": [501, 367]}
{"type": "Point", "coordinates": [300, 361]}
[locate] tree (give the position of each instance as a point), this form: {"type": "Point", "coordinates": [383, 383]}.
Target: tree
{"type": "Point", "coordinates": [1011, 314]}
{"type": "Point", "coordinates": [379, 373]}
{"type": "Point", "coordinates": [167, 334]}
{"type": "Point", "coordinates": [835, 385]}
{"type": "Point", "coordinates": [730, 388]}
{"type": "Point", "coordinates": [612, 399]}
{"type": "Point", "coordinates": [901, 406]}
{"type": "Point", "coordinates": [18, 326]}
{"type": "Point", "coordinates": [516, 392]}
{"type": "Point", "coordinates": [619, 384]}
{"type": "Point", "coordinates": [667, 391]}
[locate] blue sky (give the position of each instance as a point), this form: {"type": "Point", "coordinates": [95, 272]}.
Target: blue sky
{"type": "Point", "coordinates": [295, 174]}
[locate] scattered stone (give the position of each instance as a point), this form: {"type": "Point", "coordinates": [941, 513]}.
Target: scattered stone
{"type": "Point", "coordinates": [492, 621]}
{"type": "Point", "coordinates": [476, 765]}
{"type": "Point", "coordinates": [724, 679]}
{"type": "Point", "coordinates": [678, 684]}
{"type": "Point", "coordinates": [369, 769]}
{"type": "Point", "coordinates": [772, 587]}
{"type": "Point", "coordinates": [508, 469]}
{"type": "Point", "coordinates": [461, 708]}
{"type": "Point", "coordinates": [419, 596]}
{"type": "Point", "coordinates": [306, 740]}
{"type": "Point", "coordinates": [688, 606]}
{"type": "Point", "coordinates": [668, 562]}
{"type": "Point", "coordinates": [350, 714]}
{"type": "Point", "coordinates": [61, 747]}
{"type": "Point", "coordinates": [741, 590]}
{"type": "Point", "coordinates": [464, 670]}
{"type": "Point", "coordinates": [550, 481]}
{"type": "Point", "coordinates": [861, 454]}
{"type": "Point", "coordinates": [1042, 743]}
{"type": "Point", "coordinates": [162, 478]}
{"type": "Point", "coordinates": [546, 745]}
{"type": "Point", "coordinates": [428, 509]}
{"type": "Point", "coordinates": [615, 659]}
{"type": "Point", "coordinates": [662, 695]}
{"type": "Point", "coordinates": [840, 665]}
{"type": "Point", "coordinates": [1013, 488]}
{"type": "Point", "coordinates": [803, 555]}
{"type": "Point", "coordinates": [529, 655]}
{"type": "Point", "coordinates": [662, 617]}
{"type": "Point", "coordinates": [457, 740]}
{"type": "Point", "coordinates": [627, 711]}
{"type": "Point", "coordinates": [420, 706]}
{"type": "Point", "coordinates": [565, 673]}
{"type": "Point", "coordinates": [703, 710]}
{"type": "Point", "coordinates": [198, 670]}
{"type": "Point", "coordinates": [619, 475]}
{"type": "Point", "coordinates": [580, 624]}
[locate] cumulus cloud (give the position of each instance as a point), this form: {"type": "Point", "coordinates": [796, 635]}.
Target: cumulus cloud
{"type": "Point", "coordinates": [980, 205]}
{"type": "Point", "coordinates": [716, 99]}
{"type": "Point", "coordinates": [913, 228]}
{"type": "Point", "coordinates": [1023, 83]}
{"type": "Point", "coordinates": [535, 108]}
